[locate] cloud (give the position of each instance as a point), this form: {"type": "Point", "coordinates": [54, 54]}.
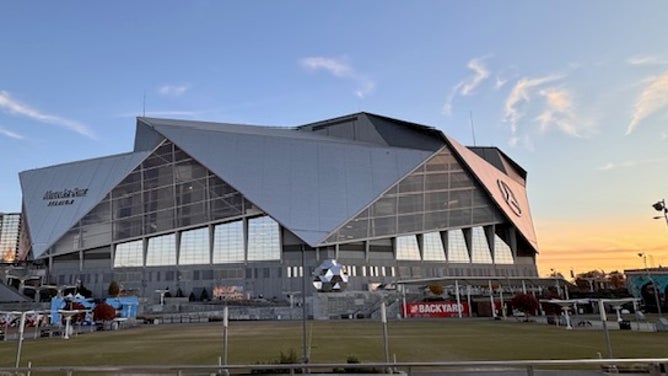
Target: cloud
{"type": "Point", "coordinates": [468, 85]}
{"type": "Point", "coordinates": [558, 111]}
{"type": "Point", "coordinates": [341, 69]}
{"type": "Point", "coordinates": [653, 98]}
{"type": "Point", "coordinates": [647, 60]}
{"type": "Point", "coordinates": [480, 74]}
{"type": "Point", "coordinates": [632, 164]}
{"type": "Point", "coordinates": [173, 90]}
{"type": "Point", "coordinates": [523, 92]}
{"type": "Point", "coordinates": [10, 134]}
{"type": "Point", "coordinates": [14, 107]}
{"type": "Point", "coordinates": [499, 82]}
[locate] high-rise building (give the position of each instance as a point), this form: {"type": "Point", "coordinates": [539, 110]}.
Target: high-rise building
{"type": "Point", "coordinates": [10, 227]}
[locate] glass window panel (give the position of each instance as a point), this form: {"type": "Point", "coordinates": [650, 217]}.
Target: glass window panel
{"type": "Point", "coordinates": [159, 221]}
{"type": "Point", "coordinates": [436, 220]}
{"type": "Point", "coordinates": [228, 243]}
{"type": "Point", "coordinates": [482, 215]}
{"type": "Point", "coordinates": [158, 177]}
{"type": "Point", "coordinates": [159, 199]}
{"type": "Point", "coordinates": [480, 198]}
{"type": "Point", "coordinates": [410, 223]}
{"type": "Point", "coordinates": [480, 253]}
{"type": "Point", "coordinates": [407, 248]}
{"type": "Point", "coordinates": [263, 239]}
{"type": "Point", "coordinates": [131, 183]}
{"type": "Point", "coordinates": [502, 252]}
{"type": "Point", "coordinates": [189, 170]}
{"type": "Point", "coordinates": [410, 203]}
{"type": "Point", "coordinates": [161, 250]}
{"type": "Point", "coordinates": [460, 180]}
{"type": "Point", "coordinates": [227, 206]}
{"type": "Point", "coordinates": [383, 226]}
{"type": "Point", "coordinates": [128, 254]}
{"type": "Point", "coordinates": [441, 162]}
{"type": "Point", "coordinates": [436, 182]}
{"type": "Point", "coordinates": [127, 205]}
{"type": "Point", "coordinates": [435, 201]}
{"type": "Point", "coordinates": [127, 228]}
{"type": "Point", "coordinates": [433, 247]}
{"type": "Point", "coordinates": [384, 206]}
{"type": "Point", "coordinates": [194, 247]}
{"type": "Point", "coordinates": [192, 214]}
{"type": "Point", "coordinates": [460, 199]}
{"type": "Point", "coordinates": [357, 228]}
{"type": "Point", "coordinates": [459, 218]}
{"type": "Point", "coordinates": [457, 251]}
{"type": "Point", "coordinates": [191, 191]}
{"type": "Point", "coordinates": [412, 183]}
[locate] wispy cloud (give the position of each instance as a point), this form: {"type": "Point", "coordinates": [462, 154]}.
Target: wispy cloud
{"type": "Point", "coordinates": [468, 85]}
{"type": "Point", "coordinates": [10, 134]}
{"type": "Point", "coordinates": [14, 107]}
{"type": "Point", "coordinates": [647, 60]}
{"type": "Point", "coordinates": [480, 74]}
{"type": "Point", "coordinates": [522, 92]}
{"type": "Point", "coordinates": [342, 69]}
{"type": "Point", "coordinates": [632, 164]}
{"type": "Point", "coordinates": [500, 82]}
{"type": "Point", "coordinates": [558, 111]}
{"type": "Point", "coordinates": [173, 90]}
{"type": "Point", "coordinates": [653, 98]}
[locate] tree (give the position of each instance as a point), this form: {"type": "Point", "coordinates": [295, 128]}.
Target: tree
{"type": "Point", "coordinates": [436, 289]}
{"type": "Point", "coordinates": [114, 289]}
{"type": "Point", "coordinates": [76, 306]}
{"type": "Point", "coordinates": [204, 296]}
{"type": "Point", "coordinates": [616, 279]}
{"type": "Point", "coordinates": [525, 303]}
{"type": "Point", "coordinates": [104, 312]}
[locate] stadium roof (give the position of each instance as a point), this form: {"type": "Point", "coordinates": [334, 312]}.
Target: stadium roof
{"type": "Point", "coordinates": [311, 179]}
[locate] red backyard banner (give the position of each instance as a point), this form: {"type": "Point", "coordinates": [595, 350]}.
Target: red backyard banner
{"type": "Point", "coordinates": [436, 309]}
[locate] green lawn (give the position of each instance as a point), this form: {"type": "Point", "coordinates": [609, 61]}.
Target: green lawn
{"type": "Point", "coordinates": [332, 341]}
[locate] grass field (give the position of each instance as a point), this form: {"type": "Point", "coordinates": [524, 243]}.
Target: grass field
{"type": "Point", "coordinates": [332, 341]}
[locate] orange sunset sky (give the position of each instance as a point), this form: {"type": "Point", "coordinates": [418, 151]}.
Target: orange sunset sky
{"type": "Point", "coordinates": [608, 245]}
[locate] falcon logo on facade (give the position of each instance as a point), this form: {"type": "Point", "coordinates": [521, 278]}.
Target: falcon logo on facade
{"type": "Point", "coordinates": [509, 198]}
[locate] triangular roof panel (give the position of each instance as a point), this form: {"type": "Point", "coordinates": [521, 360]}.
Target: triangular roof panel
{"type": "Point", "coordinates": [506, 191]}
{"type": "Point", "coordinates": [56, 197]}
{"type": "Point", "coordinates": [309, 183]}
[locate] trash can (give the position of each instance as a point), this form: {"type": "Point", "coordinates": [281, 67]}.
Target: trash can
{"type": "Point", "coordinates": [625, 325]}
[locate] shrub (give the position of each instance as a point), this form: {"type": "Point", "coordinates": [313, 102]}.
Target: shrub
{"type": "Point", "coordinates": [104, 312]}
{"type": "Point", "coordinates": [204, 296]}
{"type": "Point", "coordinates": [436, 289]}
{"type": "Point", "coordinates": [525, 303]}
{"type": "Point", "coordinates": [114, 289]}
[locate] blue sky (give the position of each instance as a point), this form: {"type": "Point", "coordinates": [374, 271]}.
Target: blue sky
{"type": "Point", "coordinates": [576, 92]}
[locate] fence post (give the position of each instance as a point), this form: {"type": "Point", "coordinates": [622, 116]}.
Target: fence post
{"type": "Point", "coordinates": [654, 369]}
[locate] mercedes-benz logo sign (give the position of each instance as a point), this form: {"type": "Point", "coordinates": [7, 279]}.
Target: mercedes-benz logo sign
{"type": "Point", "coordinates": [509, 198]}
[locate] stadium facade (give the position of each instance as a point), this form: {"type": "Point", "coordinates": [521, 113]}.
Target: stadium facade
{"type": "Point", "coordinates": [246, 211]}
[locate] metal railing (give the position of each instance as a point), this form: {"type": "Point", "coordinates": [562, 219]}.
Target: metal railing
{"type": "Point", "coordinates": [651, 366]}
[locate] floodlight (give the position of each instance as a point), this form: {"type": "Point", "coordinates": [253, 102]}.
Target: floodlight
{"type": "Point", "coordinates": [659, 206]}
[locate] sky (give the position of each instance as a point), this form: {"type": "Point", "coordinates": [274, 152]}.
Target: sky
{"type": "Point", "coordinates": [576, 92]}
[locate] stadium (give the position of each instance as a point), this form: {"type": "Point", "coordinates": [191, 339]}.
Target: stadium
{"type": "Point", "coordinates": [244, 211]}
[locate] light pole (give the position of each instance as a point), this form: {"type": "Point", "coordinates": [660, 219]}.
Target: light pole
{"type": "Point", "coordinates": [556, 281]}
{"type": "Point", "coordinates": [654, 286]}
{"type": "Point", "coordinates": [661, 207]}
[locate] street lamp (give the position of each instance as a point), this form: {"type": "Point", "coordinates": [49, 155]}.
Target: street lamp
{"type": "Point", "coordinates": [661, 207]}
{"type": "Point", "coordinates": [654, 286]}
